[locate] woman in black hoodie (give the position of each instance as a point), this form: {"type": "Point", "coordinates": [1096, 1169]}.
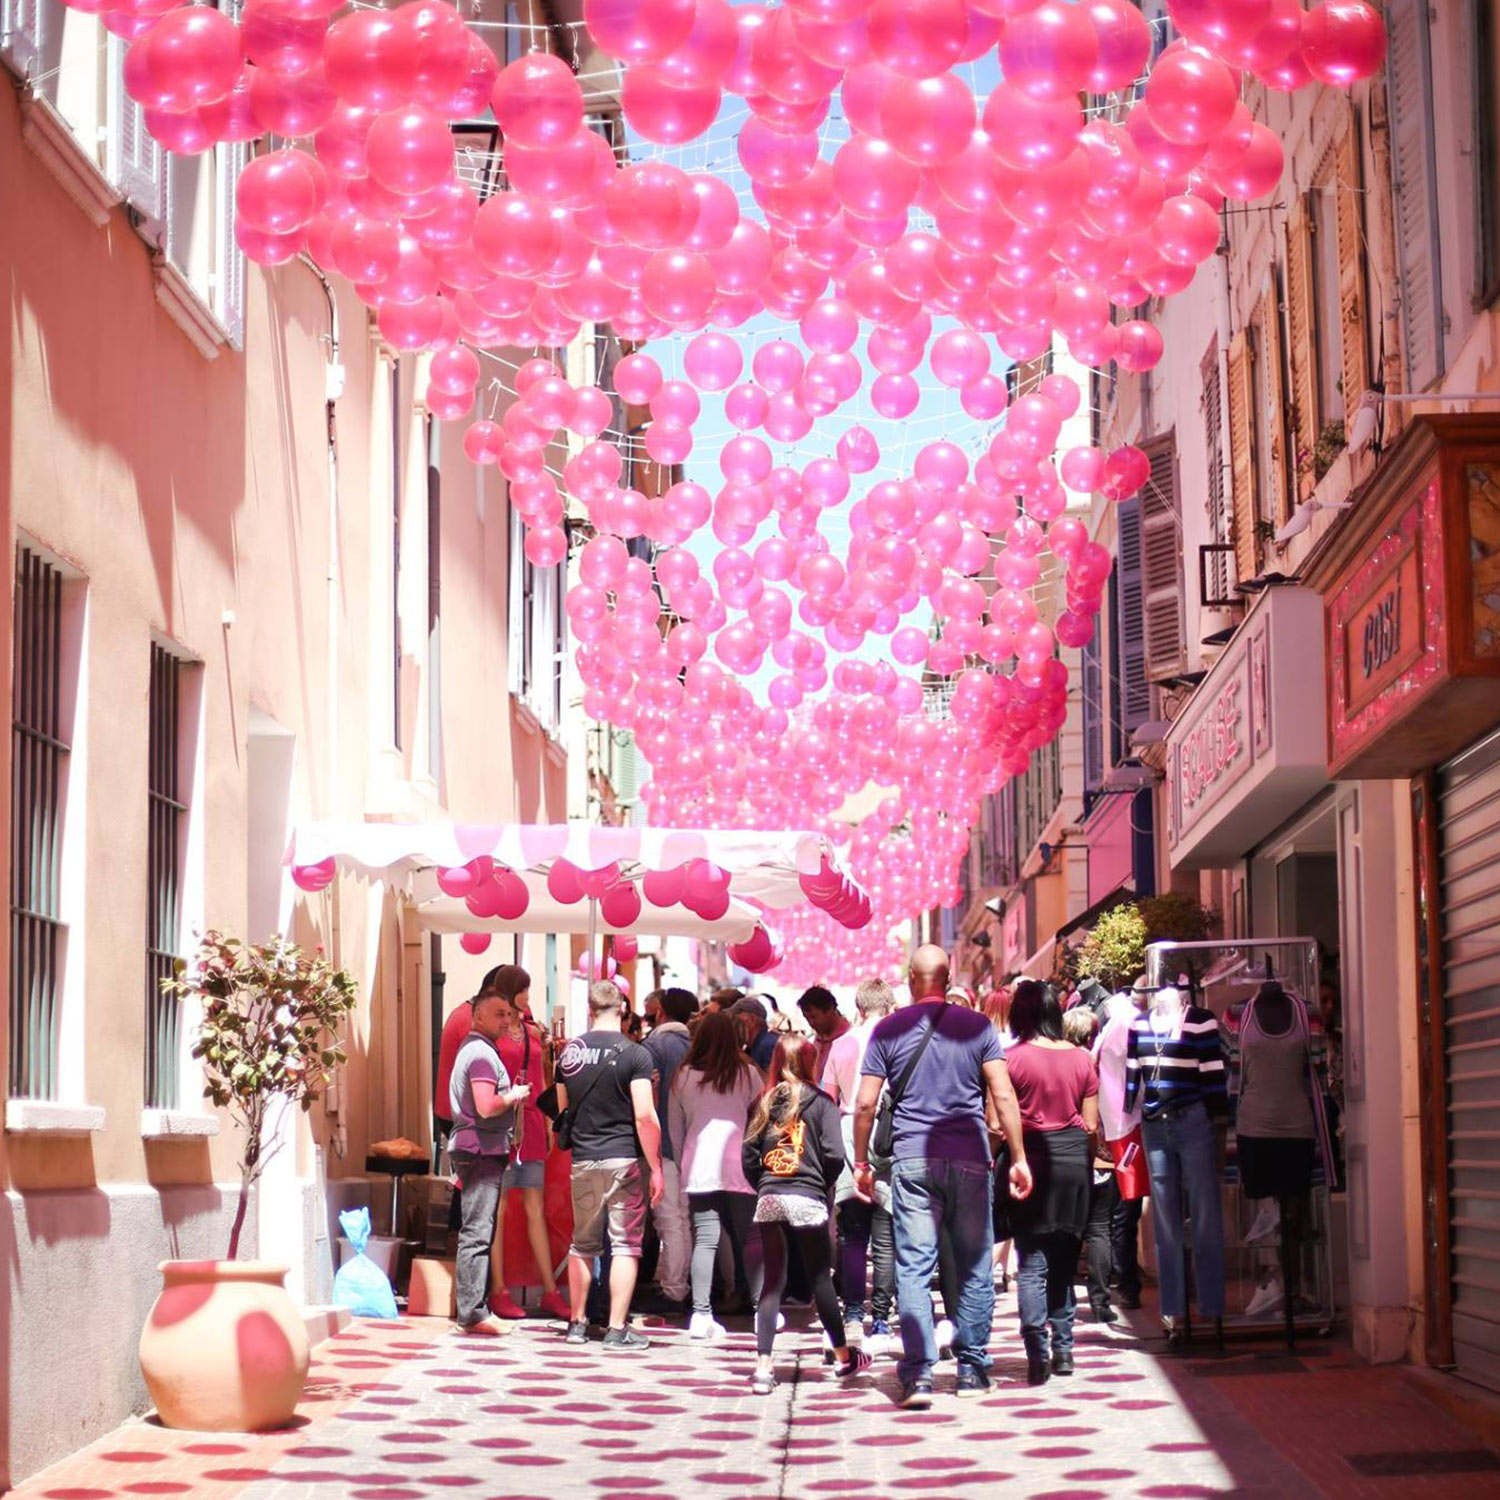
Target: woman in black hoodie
{"type": "Point", "coordinates": [793, 1154]}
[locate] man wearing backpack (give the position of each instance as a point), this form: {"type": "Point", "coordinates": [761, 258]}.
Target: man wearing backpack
{"type": "Point", "coordinates": [943, 1069]}
{"type": "Point", "coordinates": [609, 1123]}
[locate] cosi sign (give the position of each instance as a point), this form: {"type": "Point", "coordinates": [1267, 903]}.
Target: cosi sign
{"type": "Point", "coordinates": [1248, 749]}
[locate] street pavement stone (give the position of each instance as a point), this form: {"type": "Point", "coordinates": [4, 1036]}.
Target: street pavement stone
{"type": "Point", "coordinates": [413, 1411]}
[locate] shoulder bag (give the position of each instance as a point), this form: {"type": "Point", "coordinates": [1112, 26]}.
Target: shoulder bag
{"type": "Point", "coordinates": [562, 1126]}
{"type": "Point", "coordinates": [882, 1142]}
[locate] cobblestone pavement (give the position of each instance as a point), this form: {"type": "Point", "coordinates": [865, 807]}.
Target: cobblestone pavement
{"type": "Point", "coordinates": [413, 1412]}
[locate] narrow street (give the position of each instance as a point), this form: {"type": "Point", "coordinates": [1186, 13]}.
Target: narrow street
{"type": "Point", "coordinates": [408, 1411]}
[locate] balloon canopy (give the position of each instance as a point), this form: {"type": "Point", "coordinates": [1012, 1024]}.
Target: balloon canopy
{"type": "Point", "coordinates": [835, 221]}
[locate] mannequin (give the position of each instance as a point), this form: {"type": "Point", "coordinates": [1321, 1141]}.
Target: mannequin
{"type": "Point", "coordinates": [1175, 1071]}
{"type": "Point", "coordinates": [1275, 1129]}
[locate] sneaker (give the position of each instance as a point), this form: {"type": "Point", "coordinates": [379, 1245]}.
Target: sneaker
{"type": "Point", "coordinates": [780, 1322]}
{"type": "Point", "coordinates": [1267, 1225]}
{"type": "Point", "coordinates": [918, 1395]}
{"type": "Point", "coordinates": [555, 1305]}
{"type": "Point", "coordinates": [945, 1333]}
{"type": "Point", "coordinates": [1062, 1361]}
{"type": "Point", "coordinates": [704, 1326]}
{"type": "Point", "coordinates": [854, 1332]}
{"type": "Point", "coordinates": [502, 1306]}
{"type": "Point", "coordinates": [973, 1382]}
{"type": "Point", "coordinates": [578, 1333]}
{"type": "Point", "coordinates": [880, 1340]}
{"type": "Point", "coordinates": [625, 1341]}
{"type": "Point", "coordinates": [1267, 1299]}
{"type": "Point", "coordinates": [762, 1383]}
{"type": "Point", "coordinates": [857, 1363]}
{"type": "Point", "coordinates": [490, 1327]}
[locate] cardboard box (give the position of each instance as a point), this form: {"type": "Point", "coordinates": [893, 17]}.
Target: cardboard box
{"type": "Point", "coordinates": [431, 1293]}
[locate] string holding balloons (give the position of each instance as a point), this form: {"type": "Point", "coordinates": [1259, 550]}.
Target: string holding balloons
{"type": "Point", "coordinates": [942, 236]}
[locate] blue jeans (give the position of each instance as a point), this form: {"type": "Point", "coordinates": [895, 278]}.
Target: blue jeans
{"type": "Point", "coordinates": [1181, 1156]}
{"type": "Point", "coordinates": [1046, 1264]}
{"type": "Point", "coordinates": [931, 1195]}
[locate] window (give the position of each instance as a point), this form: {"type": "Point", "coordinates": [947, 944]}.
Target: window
{"type": "Point", "coordinates": [1327, 326]}
{"type": "Point", "coordinates": [1163, 633]}
{"type": "Point", "coordinates": [23, 28]}
{"type": "Point", "coordinates": [165, 808]}
{"type": "Point", "coordinates": [1272, 494]}
{"type": "Point", "coordinates": [39, 758]}
{"type": "Point", "coordinates": [1091, 685]}
{"type": "Point", "coordinates": [537, 631]}
{"type": "Point", "coordinates": [1213, 438]}
{"type": "Point", "coordinates": [137, 164]}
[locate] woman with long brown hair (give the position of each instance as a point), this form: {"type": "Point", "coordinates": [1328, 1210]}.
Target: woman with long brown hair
{"type": "Point", "coordinates": [711, 1095]}
{"type": "Point", "coordinates": [793, 1154]}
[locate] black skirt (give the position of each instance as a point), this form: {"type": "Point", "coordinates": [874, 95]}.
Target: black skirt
{"type": "Point", "coordinates": [1275, 1166]}
{"type": "Point", "coordinates": [1060, 1179]}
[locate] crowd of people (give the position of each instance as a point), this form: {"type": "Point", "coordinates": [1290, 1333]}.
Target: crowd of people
{"type": "Point", "coordinates": [846, 1165]}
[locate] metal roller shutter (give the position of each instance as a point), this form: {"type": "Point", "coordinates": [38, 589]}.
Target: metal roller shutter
{"type": "Point", "coordinates": [1469, 846]}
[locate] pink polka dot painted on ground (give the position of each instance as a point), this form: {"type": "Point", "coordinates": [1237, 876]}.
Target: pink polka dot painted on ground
{"type": "Point", "coordinates": [238, 1476]}
{"type": "Point", "coordinates": [940, 1481]}
{"type": "Point", "coordinates": [889, 1440]}
{"type": "Point", "coordinates": [213, 1450]}
{"type": "Point", "coordinates": [1098, 1476]}
{"type": "Point", "coordinates": [499, 1442]}
{"type": "Point", "coordinates": [411, 1437]}
{"type": "Point", "coordinates": [1065, 1432]}
{"type": "Point", "coordinates": [1071, 1495]}
{"type": "Point", "coordinates": [936, 1462]}
{"type": "Point", "coordinates": [1181, 1448]}
{"type": "Point", "coordinates": [133, 1456]}
{"type": "Point", "coordinates": [724, 1437]}
{"type": "Point", "coordinates": [1138, 1405]}
{"type": "Point", "coordinates": [528, 1460]}
{"type": "Point", "coordinates": [155, 1487]}
{"type": "Point", "coordinates": [729, 1480]}
{"type": "Point", "coordinates": [636, 1483]}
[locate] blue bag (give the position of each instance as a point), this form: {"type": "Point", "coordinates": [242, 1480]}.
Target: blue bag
{"type": "Point", "coordinates": [360, 1285]}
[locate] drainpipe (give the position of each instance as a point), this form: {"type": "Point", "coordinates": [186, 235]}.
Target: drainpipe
{"type": "Point", "coordinates": [333, 389]}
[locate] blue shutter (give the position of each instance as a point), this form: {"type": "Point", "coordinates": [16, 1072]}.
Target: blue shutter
{"type": "Point", "coordinates": [1135, 692]}
{"type": "Point", "coordinates": [1092, 678]}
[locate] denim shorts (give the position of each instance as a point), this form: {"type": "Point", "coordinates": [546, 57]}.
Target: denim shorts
{"type": "Point", "coordinates": [525, 1174]}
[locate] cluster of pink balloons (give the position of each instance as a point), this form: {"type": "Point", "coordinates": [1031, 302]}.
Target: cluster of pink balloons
{"type": "Point", "coordinates": [761, 952]}
{"type": "Point", "coordinates": [488, 889]}
{"type": "Point", "coordinates": [1041, 224]}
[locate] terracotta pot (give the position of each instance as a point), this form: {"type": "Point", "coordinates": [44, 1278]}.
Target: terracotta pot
{"type": "Point", "coordinates": [225, 1348]}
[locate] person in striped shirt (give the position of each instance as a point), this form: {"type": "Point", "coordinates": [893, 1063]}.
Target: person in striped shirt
{"type": "Point", "coordinates": [1174, 1070]}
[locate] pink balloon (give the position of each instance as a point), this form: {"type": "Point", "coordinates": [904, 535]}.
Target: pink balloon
{"type": "Point", "coordinates": [1049, 51]}
{"type": "Point", "coordinates": [1343, 41]}
{"type": "Point", "coordinates": [410, 150]}
{"type": "Point", "coordinates": [704, 57]}
{"type": "Point", "coordinates": [918, 38]}
{"type": "Point", "coordinates": [959, 357]}
{"type": "Point", "coordinates": [678, 287]}
{"type": "Point", "coordinates": [314, 877]}
{"type": "Point", "coordinates": [636, 31]}
{"type": "Point", "coordinates": [984, 398]}
{"type": "Point", "coordinates": [666, 109]}
{"type": "Point", "coordinates": [713, 361]}
{"type": "Point", "coordinates": [360, 55]}
{"type": "Point", "coordinates": [278, 193]}
{"type": "Point", "coordinates": [1253, 171]}
{"type": "Point", "coordinates": [538, 101]}
{"type": "Point", "coordinates": [474, 942]}
{"type": "Point", "coordinates": [871, 180]}
{"type": "Point", "coordinates": [280, 40]}
{"type": "Point", "coordinates": [1190, 96]}
{"type": "Point", "coordinates": [1024, 131]}
{"type": "Point", "coordinates": [296, 106]}
{"type": "Point", "coordinates": [1186, 231]}
{"type": "Point", "coordinates": [894, 396]}
{"type": "Point", "coordinates": [191, 57]}
{"type": "Point", "coordinates": [1124, 38]}
{"type": "Point", "coordinates": [928, 120]}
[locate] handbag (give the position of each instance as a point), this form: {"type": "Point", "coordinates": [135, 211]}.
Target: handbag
{"type": "Point", "coordinates": [1131, 1175]}
{"type": "Point", "coordinates": [882, 1142]}
{"type": "Point", "coordinates": [562, 1126]}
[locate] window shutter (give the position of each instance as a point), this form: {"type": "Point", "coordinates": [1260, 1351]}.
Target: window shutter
{"type": "Point", "coordinates": [516, 652]}
{"type": "Point", "coordinates": [1242, 458]}
{"type": "Point", "coordinates": [1408, 62]}
{"type": "Point", "coordinates": [1161, 562]}
{"type": "Point", "coordinates": [1213, 442]}
{"type": "Point", "coordinates": [1091, 681]}
{"type": "Point", "coordinates": [1135, 690]}
{"type": "Point", "coordinates": [1268, 321]}
{"type": "Point", "coordinates": [229, 259]}
{"type": "Point", "coordinates": [1301, 348]}
{"type": "Point", "coordinates": [1353, 317]}
{"type": "Point", "coordinates": [21, 31]}
{"type": "Point", "coordinates": [137, 165]}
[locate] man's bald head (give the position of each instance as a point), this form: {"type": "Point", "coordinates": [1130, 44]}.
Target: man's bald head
{"type": "Point", "coordinates": [928, 973]}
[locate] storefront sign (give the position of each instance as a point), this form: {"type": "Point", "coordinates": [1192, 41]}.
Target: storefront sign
{"type": "Point", "coordinates": [1248, 749]}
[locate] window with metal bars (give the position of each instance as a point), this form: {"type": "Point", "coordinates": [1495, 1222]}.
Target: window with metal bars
{"type": "Point", "coordinates": [165, 807]}
{"type": "Point", "coordinates": [39, 753]}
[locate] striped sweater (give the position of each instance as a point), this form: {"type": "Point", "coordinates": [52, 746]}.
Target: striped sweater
{"type": "Point", "coordinates": [1168, 1071]}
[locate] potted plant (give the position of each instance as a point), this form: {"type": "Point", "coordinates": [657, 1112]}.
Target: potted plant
{"type": "Point", "coordinates": [224, 1348]}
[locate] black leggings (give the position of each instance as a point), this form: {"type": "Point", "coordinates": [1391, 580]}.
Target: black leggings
{"type": "Point", "coordinates": [814, 1248]}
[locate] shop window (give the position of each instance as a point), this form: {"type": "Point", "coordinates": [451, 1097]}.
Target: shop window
{"type": "Point", "coordinates": [45, 664]}
{"type": "Point", "coordinates": [1162, 629]}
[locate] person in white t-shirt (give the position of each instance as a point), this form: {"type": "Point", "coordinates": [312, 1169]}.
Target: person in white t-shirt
{"type": "Point", "coordinates": [866, 1241]}
{"type": "Point", "coordinates": [1115, 1123]}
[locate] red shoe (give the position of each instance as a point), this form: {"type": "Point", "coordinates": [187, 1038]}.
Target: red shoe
{"type": "Point", "coordinates": [503, 1307]}
{"type": "Point", "coordinates": [555, 1305]}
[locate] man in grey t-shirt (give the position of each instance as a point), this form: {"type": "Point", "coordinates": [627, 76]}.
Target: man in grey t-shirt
{"type": "Point", "coordinates": [483, 1101]}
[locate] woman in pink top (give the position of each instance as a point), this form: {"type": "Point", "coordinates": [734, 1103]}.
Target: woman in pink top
{"type": "Point", "coordinates": [1058, 1093]}
{"type": "Point", "coordinates": [523, 1051]}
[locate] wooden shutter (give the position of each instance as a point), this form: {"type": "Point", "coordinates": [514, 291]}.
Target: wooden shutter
{"type": "Point", "coordinates": [1268, 322]}
{"type": "Point", "coordinates": [1353, 314]}
{"type": "Point", "coordinates": [1161, 562]}
{"type": "Point", "coordinates": [1242, 459]}
{"type": "Point", "coordinates": [1213, 443]}
{"type": "Point", "coordinates": [1091, 682]}
{"type": "Point", "coordinates": [1408, 62]}
{"type": "Point", "coordinates": [1135, 689]}
{"type": "Point", "coordinates": [1301, 349]}
{"type": "Point", "coordinates": [137, 165]}
{"type": "Point", "coordinates": [229, 259]}
{"type": "Point", "coordinates": [22, 23]}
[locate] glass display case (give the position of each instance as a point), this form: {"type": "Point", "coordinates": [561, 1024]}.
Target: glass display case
{"type": "Point", "coordinates": [1222, 977]}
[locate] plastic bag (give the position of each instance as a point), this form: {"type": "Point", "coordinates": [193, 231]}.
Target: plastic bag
{"type": "Point", "coordinates": [360, 1285]}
